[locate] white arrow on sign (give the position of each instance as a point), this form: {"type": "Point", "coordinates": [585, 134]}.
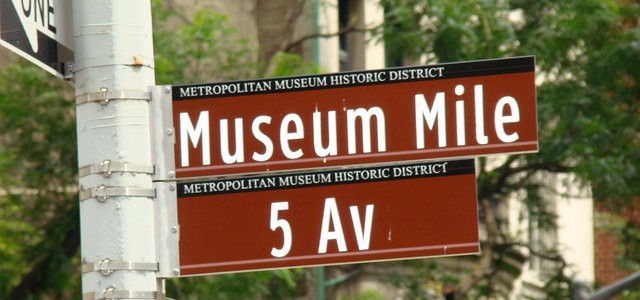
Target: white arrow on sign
{"type": "Point", "coordinates": [36, 15]}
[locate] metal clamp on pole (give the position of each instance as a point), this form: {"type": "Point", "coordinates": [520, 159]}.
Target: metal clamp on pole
{"type": "Point", "coordinates": [106, 266]}
{"type": "Point", "coordinates": [107, 167]}
{"type": "Point", "coordinates": [104, 96]}
{"type": "Point", "coordinates": [67, 70]}
{"type": "Point", "coordinates": [102, 193]}
{"type": "Point", "coordinates": [110, 293]}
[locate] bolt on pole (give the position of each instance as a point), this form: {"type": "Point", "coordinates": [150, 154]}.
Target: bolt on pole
{"type": "Point", "coordinates": [113, 70]}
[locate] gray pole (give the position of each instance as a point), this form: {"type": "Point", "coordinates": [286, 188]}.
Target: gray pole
{"type": "Point", "coordinates": [113, 70]}
{"type": "Point", "coordinates": [617, 287]}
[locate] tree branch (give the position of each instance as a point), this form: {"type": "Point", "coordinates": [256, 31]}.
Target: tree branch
{"type": "Point", "coordinates": [349, 29]}
{"type": "Point", "coordinates": [487, 255]}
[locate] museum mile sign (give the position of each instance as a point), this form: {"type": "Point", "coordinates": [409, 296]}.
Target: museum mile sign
{"type": "Point", "coordinates": [381, 116]}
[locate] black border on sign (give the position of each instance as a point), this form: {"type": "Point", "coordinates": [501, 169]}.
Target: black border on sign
{"type": "Point", "coordinates": [451, 70]}
{"type": "Point", "coordinates": [453, 167]}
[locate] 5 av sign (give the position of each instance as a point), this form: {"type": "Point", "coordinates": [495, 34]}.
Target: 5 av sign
{"type": "Point", "coordinates": [327, 217]}
{"type": "Point", "coordinates": [39, 30]}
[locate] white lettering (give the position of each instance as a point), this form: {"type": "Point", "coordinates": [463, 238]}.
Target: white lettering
{"type": "Point", "coordinates": [227, 158]}
{"type": "Point", "coordinates": [500, 118]}
{"type": "Point", "coordinates": [264, 139]}
{"type": "Point", "coordinates": [363, 235]}
{"type": "Point", "coordinates": [188, 132]}
{"type": "Point", "coordinates": [275, 223]}
{"type": "Point", "coordinates": [365, 116]}
{"type": "Point", "coordinates": [286, 135]}
{"type": "Point", "coordinates": [460, 133]}
{"type": "Point", "coordinates": [479, 102]}
{"type": "Point", "coordinates": [331, 213]}
{"type": "Point", "coordinates": [423, 112]}
{"type": "Point", "coordinates": [332, 147]}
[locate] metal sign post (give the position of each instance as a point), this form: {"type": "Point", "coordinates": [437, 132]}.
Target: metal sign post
{"type": "Point", "coordinates": [113, 70]}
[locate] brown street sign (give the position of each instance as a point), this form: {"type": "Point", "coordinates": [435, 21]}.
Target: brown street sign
{"type": "Point", "coordinates": [326, 217]}
{"type": "Point", "coordinates": [441, 111]}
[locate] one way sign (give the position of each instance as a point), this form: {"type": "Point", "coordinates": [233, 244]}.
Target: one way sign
{"type": "Point", "coordinates": [38, 30]}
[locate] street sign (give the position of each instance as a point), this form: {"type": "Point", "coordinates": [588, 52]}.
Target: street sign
{"type": "Point", "coordinates": [325, 217]}
{"type": "Point", "coordinates": [40, 31]}
{"type": "Point", "coordinates": [429, 112]}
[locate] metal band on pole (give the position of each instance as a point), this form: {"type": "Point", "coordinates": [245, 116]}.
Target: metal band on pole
{"type": "Point", "coordinates": [106, 266]}
{"type": "Point", "coordinates": [107, 167]}
{"type": "Point", "coordinates": [111, 293]}
{"type": "Point", "coordinates": [102, 193]}
{"type": "Point", "coordinates": [104, 96]}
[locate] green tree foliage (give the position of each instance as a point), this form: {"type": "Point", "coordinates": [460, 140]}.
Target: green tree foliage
{"type": "Point", "coordinates": [448, 30]}
{"type": "Point", "coordinates": [278, 284]}
{"type": "Point", "coordinates": [39, 234]}
{"type": "Point", "coordinates": [203, 48]}
{"type": "Point", "coordinates": [588, 99]}
{"type": "Point", "coordinates": [365, 295]}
